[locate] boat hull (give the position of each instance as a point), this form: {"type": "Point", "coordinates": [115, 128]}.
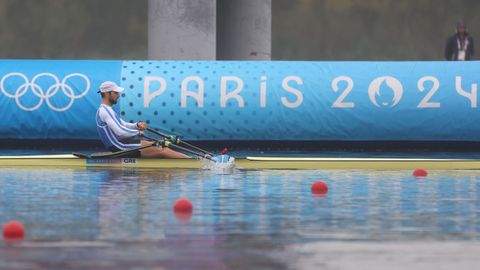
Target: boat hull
{"type": "Point", "coordinates": [245, 163]}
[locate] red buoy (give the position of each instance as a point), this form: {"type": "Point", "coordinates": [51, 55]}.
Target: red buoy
{"type": "Point", "coordinates": [183, 206]}
{"type": "Point", "coordinates": [183, 217]}
{"type": "Point", "coordinates": [13, 230]}
{"type": "Point", "coordinates": [319, 188]}
{"type": "Point", "coordinates": [420, 173]}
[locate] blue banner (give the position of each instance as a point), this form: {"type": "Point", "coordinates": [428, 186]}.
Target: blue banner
{"type": "Point", "coordinates": [221, 100]}
{"type": "Point", "coordinates": [305, 100]}
{"type": "Point", "coordinates": [45, 99]}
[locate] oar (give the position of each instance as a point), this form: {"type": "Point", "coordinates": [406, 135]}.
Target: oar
{"type": "Point", "coordinates": [178, 141]}
{"type": "Point", "coordinates": [178, 147]}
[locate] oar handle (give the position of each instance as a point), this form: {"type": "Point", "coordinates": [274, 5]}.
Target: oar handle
{"type": "Point", "coordinates": [166, 136]}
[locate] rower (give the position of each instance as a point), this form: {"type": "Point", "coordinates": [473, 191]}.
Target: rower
{"type": "Point", "coordinates": [118, 135]}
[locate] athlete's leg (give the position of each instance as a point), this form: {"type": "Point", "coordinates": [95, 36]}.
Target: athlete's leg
{"type": "Point", "coordinates": [159, 152]}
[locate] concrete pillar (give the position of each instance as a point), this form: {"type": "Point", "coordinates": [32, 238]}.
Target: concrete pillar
{"type": "Point", "coordinates": [244, 29]}
{"type": "Point", "coordinates": [182, 29]}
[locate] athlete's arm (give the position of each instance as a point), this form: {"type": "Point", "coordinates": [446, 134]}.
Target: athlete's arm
{"type": "Point", "coordinates": [128, 125]}
{"type": "Point", "coordinates": [116, 126]}
{"type": "Point", "coordinates": [138, 125]}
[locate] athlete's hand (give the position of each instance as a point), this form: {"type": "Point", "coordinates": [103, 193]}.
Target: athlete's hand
{"type": "Point", "coordinates": [140, 134]}
{"type": "Point", "coordinates": [141, 125]}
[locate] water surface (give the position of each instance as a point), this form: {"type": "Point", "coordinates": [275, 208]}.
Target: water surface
{"type": "Point", "coordinates": [255, 219]}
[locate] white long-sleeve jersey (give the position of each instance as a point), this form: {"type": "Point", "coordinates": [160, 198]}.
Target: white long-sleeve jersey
{"type": "Point", "coordinates": [112, 129]}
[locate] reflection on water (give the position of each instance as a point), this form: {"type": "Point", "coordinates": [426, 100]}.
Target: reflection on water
{"type": "Point", "coordinates": [123, 218]}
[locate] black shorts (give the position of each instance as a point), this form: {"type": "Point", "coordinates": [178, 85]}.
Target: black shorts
{"type": "Point", "coordinates": [134, 154]}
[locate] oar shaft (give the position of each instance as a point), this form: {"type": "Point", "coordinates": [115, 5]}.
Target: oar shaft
{"type": "Point", "coordinates": [158, 133]}
{"type": "Point", "coordinates": [203, 155]}
{"type": "Point", "coordinates": [196, 148]}
{"type": "Point", "coordinates": [182, 142]}
{"type": "Point", "coordinates": [174, 146]}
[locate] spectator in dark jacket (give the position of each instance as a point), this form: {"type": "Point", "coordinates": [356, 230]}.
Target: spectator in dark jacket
{"type": "Point", "coordinates": [460, 46]}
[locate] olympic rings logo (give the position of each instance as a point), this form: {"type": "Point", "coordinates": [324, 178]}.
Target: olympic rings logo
{"type": "Point", "coordinates": [38, 91]}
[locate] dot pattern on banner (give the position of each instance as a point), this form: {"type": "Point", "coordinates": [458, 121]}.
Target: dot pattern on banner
{"type": "Point", "coordinates": [210, 122]}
